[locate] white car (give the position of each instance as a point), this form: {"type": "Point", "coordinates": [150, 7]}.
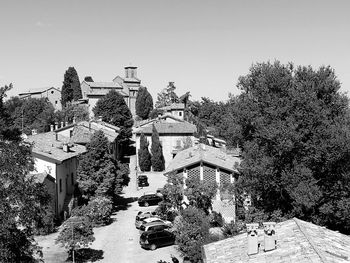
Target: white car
{"type": "Point", "coordinates": [156, 219]}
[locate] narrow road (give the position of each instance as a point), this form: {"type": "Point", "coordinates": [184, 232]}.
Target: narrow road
{"type": "Point", "coordinates": [120, 240]}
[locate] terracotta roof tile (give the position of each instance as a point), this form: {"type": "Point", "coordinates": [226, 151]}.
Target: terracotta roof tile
{"type": "Point", "coordinates": [297, 241]}
{"type": "Point", "coordinates": [204, 153]}
{"type": "Point", "coordinates": [45, 144]}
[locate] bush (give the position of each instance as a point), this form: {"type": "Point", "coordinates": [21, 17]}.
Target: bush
{"type": "Point", "coordinates": [98, 210]}
{"type": "Point", "coordinates": [233, 229]}
{"type": "Point", "coordinates": [216, 219]}
{"type": "Point", "coordinates": [46, 223]}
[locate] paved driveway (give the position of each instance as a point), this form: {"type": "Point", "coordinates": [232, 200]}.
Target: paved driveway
{"type": "Point", "coordinates": [120, 240]}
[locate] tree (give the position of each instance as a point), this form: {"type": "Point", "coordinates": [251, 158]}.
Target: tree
{"type": "Point", "coordinates": [294, 131]}
{"type": "Point", "coordinates": [200, 193]}
{"type": "Point", "coordinates": [19, 204]}
{"type": "Point", "coordinates": [88, 79]}
{"type": "Point", "coordinates": [144, 103]}
{"type": "Point", "coordinates": [157, 159]}
{"type": "Point", "coordinates": [144, 155]}
{"type": "Point", "coordinates": [113, 109]}
{"type": "Point", "coordinates": [32, 114]}
{"type": "Point", "coordinates": [72, 113]}
{"type": "Point", "coordinates": [192, 231]}
{"type": "Point", "coordinates": [98, 174]}
{"type": "Point", "coordinates": [71, 90]}
{"type": "Point", "coordinates": [167, 96]}
{"type": "Point", "coordinates": [77, 232]}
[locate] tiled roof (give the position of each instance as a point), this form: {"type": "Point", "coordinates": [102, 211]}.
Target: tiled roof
{"type": "Point", "coordinates": [297, 241]}
{"type": "Point", "coordinates": [46, 145]}
{"type": "Point", "coordinates": [169, 128]}
{"type": "Point", "coordinates": [83, 131]}
{"type": "Point", "coordinates": [104, 91]}
{"type": "Point", "coordinates": [163, 117]}
{"type": "Point", "coordinates": [174, 106]}
{"type": "Point", "coordinates": [104, 84]}
{"type": "Point", "coordinates": [35, 91]}
{"type": "Point", "coordinates": [203, 153]}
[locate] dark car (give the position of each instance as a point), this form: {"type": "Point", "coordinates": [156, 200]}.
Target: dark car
{"type": "Point", "coordinates": [154, 239]}
{"type": "Point", "coordinates": [149, 199]}
{"type": "Point", "coordinates": [143, 180]}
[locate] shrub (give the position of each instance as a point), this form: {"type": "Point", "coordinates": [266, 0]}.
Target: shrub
{"type": "Point", "coordinates": [46, 223]}
{"type": "Point", "coordinates": [216, 219]}
{"type": "Point", "coordinates": [98, 210]}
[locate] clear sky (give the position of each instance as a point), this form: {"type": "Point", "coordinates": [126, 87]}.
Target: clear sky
{"type": "Point", "coordinates": [203, 46]}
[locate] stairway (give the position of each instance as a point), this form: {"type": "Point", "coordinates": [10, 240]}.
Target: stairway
{"type": "Point", "coordinates": [68, 204]}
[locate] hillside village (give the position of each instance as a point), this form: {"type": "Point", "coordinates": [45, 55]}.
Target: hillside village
{"type": "Point", "coordinates": [263, 177]}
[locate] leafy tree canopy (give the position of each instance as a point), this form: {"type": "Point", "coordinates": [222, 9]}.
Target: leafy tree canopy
{"type": "Point", "coordinates": [167, 96]}
{"type": "Point", "coordinates": [113, 109]}
{"type": "Point", "coordinates": [293, 125]}
{"type": "Point", "coordinates": [98, 174]}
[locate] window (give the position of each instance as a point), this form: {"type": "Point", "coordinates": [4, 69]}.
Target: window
{"type": "Point", "coordinates": [56, 102]}
{"type": "Point", "coordinates": [60, 185]}
{"type": "Point", "coordinates": [72, 177]}
{"type": "Point", "coordinates": [180, 113]}
{"type": "Point", "coordinates": [52, 92]}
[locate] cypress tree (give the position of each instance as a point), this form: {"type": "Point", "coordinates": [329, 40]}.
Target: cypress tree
{"type": "Point", "coordinates": [157, 159]}
{"type": "Point", "coordinates": [144, 103]}
{"type": "Point", "coordinates": [144, 154]}
{"type": "Point", "coordinates": [71, 87]}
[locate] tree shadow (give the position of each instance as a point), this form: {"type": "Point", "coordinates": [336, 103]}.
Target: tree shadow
{"type": "Point", "coordinates": [86, 255]}
{"type": "Point", "coordinates": [122, 203]}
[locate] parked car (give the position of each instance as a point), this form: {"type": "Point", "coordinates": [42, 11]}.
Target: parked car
{"type": "Point", "coordinates": [153, 226]}
{"type": "Point", "coordinates": [142, 180]}
{"type": "Point", "coordinates": [154, 239]}
{"type": "Point", "coordinates": [143, 215]}
{"type": "Point", "coordinates": [149, 199]}
{"type": "Point", "coordinates": [155, 219]}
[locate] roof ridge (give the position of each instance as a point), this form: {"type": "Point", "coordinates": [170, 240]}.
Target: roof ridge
{"type": "Point", "coordinates": [313, 245]}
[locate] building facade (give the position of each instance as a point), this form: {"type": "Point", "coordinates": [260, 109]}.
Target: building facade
{"type": "Point", "coordinates": [210, 164]}
{"type": "Point", "coordinates": [52, 94]}
{"type": "Point", "coordinates": [127, 87]}
{"type": "Point", "coordinates": [54, 155]}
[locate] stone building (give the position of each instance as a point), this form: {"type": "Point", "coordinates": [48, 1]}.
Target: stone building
{"type": "Point", "coordinates": [52, 94]}
{"type": "Point", "coordinates": [127, 87]}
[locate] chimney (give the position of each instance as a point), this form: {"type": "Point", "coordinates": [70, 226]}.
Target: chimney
{"type": "Point", "coordinates": [34, 131]}
{"type": "Point", "coordinates": [269, 236]}
{"type": "Point", "coordinates": [65, 147]}
{"type": "Point", "coordinates": [66, 123]}
{"type": "Point", "coordinates": [51, 127]}
{"type": "Point", "coordinates": [74, 119]}
{"type": "Point", "coordinates": [252, 232]}
{"type": "Point", "coordinates": [62, 124]}
{"type": "Point", "coordinates": [56, 125]}
{"type": "Point", "coordinates": [99, 118]}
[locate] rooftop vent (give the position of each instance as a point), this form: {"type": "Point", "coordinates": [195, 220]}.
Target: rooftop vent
{"type": "Point", "coordinates": [269, 236]}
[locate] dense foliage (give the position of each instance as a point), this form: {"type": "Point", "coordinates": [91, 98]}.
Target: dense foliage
{"type": "Point", "coordinates": [98, 173]}
{"type": "Point", "coordinates": [293, 125]}
{"type": "Point", "coordinates": [98, 210]}
{"type": "Point", "coordinates": [167, 96]}
{"type": "Point", "coordinates": [144, 103]}
{"type": "Point", "coordinates": [113, 109]}
{"type": "Point", "coordinates": [157, 159]}
{"type": "Point", "coordinates": [30, 114]}
{"type": "Point", "coordinates": [192, 231]}
{"type": "Point", "coordinates": [144, 155]}
{"type": "Point", "coordinates": [71, 90]}
{"type": "Point", "coordinates": [21, 201]}
{"type": "Point", "coordinates": [77, 232]}
{"type": "Point", "coordinates": [72, 113]}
